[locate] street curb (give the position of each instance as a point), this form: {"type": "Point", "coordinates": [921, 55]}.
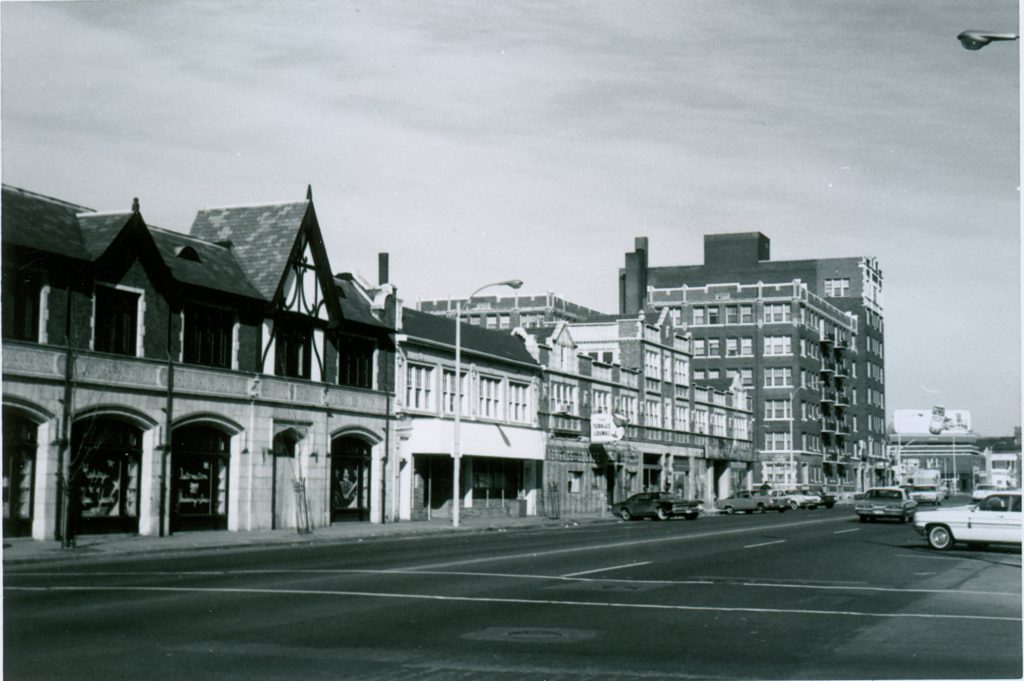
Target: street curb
{"type": "Point", "coordinates": [88, 554]}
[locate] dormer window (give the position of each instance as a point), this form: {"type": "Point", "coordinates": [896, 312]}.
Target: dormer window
{"type": "Point", "coordinates": [21, 304]}
{"type": "Point", "coordinates": [208, 336]}
{"type": "Point", "coordinates": [116, 321]}
{"type": "Point", "coordinates": [187, 253]}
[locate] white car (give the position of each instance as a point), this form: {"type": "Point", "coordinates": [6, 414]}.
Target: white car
{"type": "Point", "coordinates": [796, 499]}
{"type": "Point", "coordinates": [994, 520]}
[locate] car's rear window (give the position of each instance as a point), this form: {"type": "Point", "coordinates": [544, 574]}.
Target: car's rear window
{"type": "Point", "coordinates": [884, 494]}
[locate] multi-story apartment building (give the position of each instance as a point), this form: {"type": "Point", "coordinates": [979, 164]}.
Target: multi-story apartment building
{"type": "Point", "coordinates": [806, 336]}
{"type": "Point", "coordinates": [693, 440]}
{"type": "Point", "coordinates": [156, 381]}
{"type": "Point", "coordinates": [508, 312]}
{"type": "Point", "coordinates": [501, 445]}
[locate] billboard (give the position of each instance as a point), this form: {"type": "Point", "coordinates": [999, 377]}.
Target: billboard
{"type": "Point", "coordinates": [934, 421]}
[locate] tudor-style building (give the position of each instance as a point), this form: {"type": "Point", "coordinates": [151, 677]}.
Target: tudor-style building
{"type": "Point", "coordinates": [156, 381]}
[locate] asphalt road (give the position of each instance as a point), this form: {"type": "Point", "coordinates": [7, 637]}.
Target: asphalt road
{"type": "Point", "coordinates": [808, 594]}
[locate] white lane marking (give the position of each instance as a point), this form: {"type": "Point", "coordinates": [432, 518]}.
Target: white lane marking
{"type": "Point", "coordinates": [509, 575]}
{"type": "Point", "coordinates": [519, 601]}
{"type": "Point", "coordinates": [623, 544]}
{"type": "Point", "coordinates": [856, 529]}
{"type": "Point", "coordinates": [767, 543]}
{"type": "Point", "coordinates": [616, 567]}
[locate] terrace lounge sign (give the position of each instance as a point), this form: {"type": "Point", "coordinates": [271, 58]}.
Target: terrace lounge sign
{"type": "Point", "coordinates": [607, 428]}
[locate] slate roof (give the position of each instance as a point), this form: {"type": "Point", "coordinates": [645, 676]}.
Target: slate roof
{"type": "Point", "coordinates": [499, 344]}
{"type": "Point", "coordinates": [41, 222]}
{"type": "Point", "coordinates": [98, 230]}
{"type": "Point", "coordinates": [261, 238]}
{"type": "Point", "coordinates": [217, 268]}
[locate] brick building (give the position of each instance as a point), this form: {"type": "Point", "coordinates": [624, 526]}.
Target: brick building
{"type": "Point", "coordinates": [805, 336]}
{"type": "Point", "coordinates": [676, 436]}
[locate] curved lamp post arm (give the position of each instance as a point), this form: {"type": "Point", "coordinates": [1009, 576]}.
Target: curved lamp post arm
{"type": "Point", "coordinates": [975, 40]}
{"type": "Point", "coordinates": [456, 442]}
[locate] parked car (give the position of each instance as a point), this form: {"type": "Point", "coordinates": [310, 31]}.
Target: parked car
{"type": "Point", "coordinates": [660, 505]}
{"type": "Point", "coordinates": [995, 519]}
{"type": "Point", "coordinates": [926, 494]}
{"type": "Point", "coordinates": [751, 502]}
{"type": "Point", "coordinates": [885, 502]}
{"type": "Point", "coordinates": [982, 491]}
{"type": "Point", "coordinates": [796, 499]}
{"type": "Point", "coordinates": [828, 500]}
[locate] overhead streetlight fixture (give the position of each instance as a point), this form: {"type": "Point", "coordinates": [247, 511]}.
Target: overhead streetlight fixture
{"type": "Point", "coordinates": [456, 443]}
{"type": "Point", "coordinates": [975, 40]}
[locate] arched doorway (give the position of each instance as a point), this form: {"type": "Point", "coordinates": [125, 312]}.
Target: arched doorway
{"type": "Point", "coordinates": [104, 476]}
{"type": "Point", "coordinates": [19, 461]}
{"type": "Point", "coordinates": [199, 478]}
{"type": "Point", "coordinates": [350, 479]}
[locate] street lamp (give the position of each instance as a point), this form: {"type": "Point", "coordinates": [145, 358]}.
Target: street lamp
{"type": "Point", "coordinates": [975, 40]}
{"type": "Point", "coordinates": [456, 444]}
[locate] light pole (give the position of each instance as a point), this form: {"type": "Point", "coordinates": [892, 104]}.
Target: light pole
{"type": "Point", "coordinates": [975, 40]}
{"type": "Point", "coordinates": [456, 444]}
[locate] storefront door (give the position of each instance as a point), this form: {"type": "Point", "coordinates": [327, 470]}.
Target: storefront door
{"type": "Point", "coordinates": [350, 479]}
{"type": "Point", "coordinates": [19, 460]}
{"type": "Point", "coordinates": [199, 479]}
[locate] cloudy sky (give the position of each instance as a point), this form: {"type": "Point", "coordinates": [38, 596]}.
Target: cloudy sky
{"type": "Point", "coordinates": [479, 141]}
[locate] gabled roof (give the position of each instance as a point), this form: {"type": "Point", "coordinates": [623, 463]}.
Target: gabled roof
{"type": "Point", "coordinates": [42, 222]}
{"type": "Point", "coordinates": [216, 267]}
{"type": "Point", "coordinates": [498, 344]}
{"type": "Point", "coordinates": [261, 238]}
{"type": "Point", "coordinates": [99, 230]}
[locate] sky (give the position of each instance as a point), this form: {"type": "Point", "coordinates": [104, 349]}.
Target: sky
{"type": "Point", "coordinates": [475, 142]}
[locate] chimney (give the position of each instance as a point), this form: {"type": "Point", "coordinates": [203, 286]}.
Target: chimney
{"type": "Point", "coordinates": [633, 281]}
{"type": "Point", "coordinates": [382, 268]}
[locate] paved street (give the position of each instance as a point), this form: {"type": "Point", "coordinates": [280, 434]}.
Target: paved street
{"type": "Point", "coordinates": [809, 594]}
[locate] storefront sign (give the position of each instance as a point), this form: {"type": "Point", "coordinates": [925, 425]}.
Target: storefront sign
{"type": "Point", "coordinates": [604, 428]}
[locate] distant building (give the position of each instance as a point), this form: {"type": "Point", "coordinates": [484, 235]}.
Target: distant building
{"type": "Point", "coordinates": [805, 336]}
{"type": "Point", "coordinates": [1002, 459]}
{"type": "Point", "coordinates": [509, 312]}
{"type": "Point", "coordinates": [937, 439]}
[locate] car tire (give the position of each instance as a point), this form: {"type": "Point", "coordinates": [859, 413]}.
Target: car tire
{"type": "Point", "coordinates": [662, 514]}
{"type": "Point", "coordinates": [760, 508]}
{"type": "Point", "coordinates": [692, 516]}
{"type": "Point", "coordinates": [794, 505]}
{"type": "Point", "coordinates": [940, 538]}
{"type": "Point", "coordinates": [625, 514]}
{"type": "Point", "coordinates": [862, 518]}
{"type": "Point", "coordinates": [729, 510]}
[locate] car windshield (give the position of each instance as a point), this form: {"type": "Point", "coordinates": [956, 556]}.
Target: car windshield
{"type": "Point", "coordinates": [925, 488]}
{"type": "Point", "coordinates": [884, 494]}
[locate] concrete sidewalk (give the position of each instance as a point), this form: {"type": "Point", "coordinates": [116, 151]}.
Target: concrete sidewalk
{"type": "Point", "coordinates": [25, 550]}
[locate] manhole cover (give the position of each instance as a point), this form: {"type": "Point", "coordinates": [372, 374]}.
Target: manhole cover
{"type": "Point", "coordinates": [530, 635]}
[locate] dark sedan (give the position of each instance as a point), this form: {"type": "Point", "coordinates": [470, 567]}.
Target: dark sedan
{"type": "Point", "coordinates": [660, 505]}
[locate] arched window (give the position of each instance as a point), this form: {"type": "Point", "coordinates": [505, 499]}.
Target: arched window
{"type": "Point", "coordinates": [104, 475]}
{"type": "Point", "coordinates": [199, 478]}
